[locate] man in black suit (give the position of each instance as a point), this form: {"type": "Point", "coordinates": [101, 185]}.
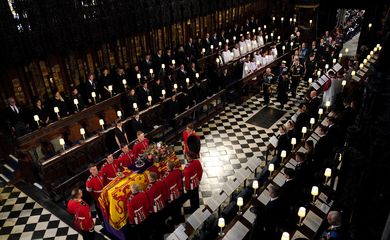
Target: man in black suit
{"type": "Point", "coordinates": [91, 86]}
{"type": "Point", "coordinates": [127, 102]}
{"type": "Point", "coordinates": [189, 49]}
{"type": "Point", "coordinates": [157, 91]}
{"type": "Point", "coordinates": [313, 104]}
{"type": "Point", "coordinates": [136, 124]}
{"type": "Point", "coordinates": [158, 59]}
{"type": "Point", "coordinates": [291, 193]}
{"type": "Point", "coordinates": [142, 94]}
{"type": "Point", "coordinates": [181, 77]}
{"type": "Point", "coordinates": [303, 170]}
{"type": "Point", "coordinates": [301, 121]}
{"type": "Point", "coordinates": [146, 65]}
{"type": "Point", "coordinates": [284, 142]}
{"type": "Point", "coordinates": [15, 118]}
{"type": "Point", "coordinates": [334, 134]}
{"type": "Point", "coordinates": [274, 214]}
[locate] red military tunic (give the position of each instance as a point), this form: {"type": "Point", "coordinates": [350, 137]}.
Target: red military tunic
{"type": "Point", "coordinates": [138, 207]}
{"type": "Point", "coordinates": [185, 138]}
{"type": "Point", "coordinates": [139, 147]}
{"type": "Point", "coordinates": [193, 174]}
{"type": "Point", "coordinates": [109, 171]}
{"type": "Point", "coordinates": [82, 215]}
{"type": "Point", "coordinates": [125, 160]}
{"type": "Point", "coordinates": [157, 195]}
{"type": "Point", "coordinates": [94, 186]}
{"type": "Point", "coordinates": [174, 184]}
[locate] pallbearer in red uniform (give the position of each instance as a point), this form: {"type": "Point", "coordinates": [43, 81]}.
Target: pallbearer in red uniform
{"type": "Point", "coordinates": [82, 215]}
{"type": "Point", "coordinates": [156, 192]}
{"type": "Point", "coordinates": [94, 186]}
{"type": "Point", "coordinates": [140, 145]}
{"type": "Point", "coordinates": [173, 181]}
{"type": "Point", "coordinates": [193, 172]}
{"type": "Point", "coordinates": [137, 205]}
{"type": "Point", "coordinates": [109, 169]}
{"type": "Point", "coordinates": [189, 131]}
{"type": "Point", "coordinates": [126, 158]}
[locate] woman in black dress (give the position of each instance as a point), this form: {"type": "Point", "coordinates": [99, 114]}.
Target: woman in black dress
{"type": "Point", "coordinates": [40, 110]}
{"type": "Point", "coordinates": [120, 134]}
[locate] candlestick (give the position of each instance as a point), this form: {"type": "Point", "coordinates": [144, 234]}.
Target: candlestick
{"type": "Point", "coordinates": [110, 89]}
{"type": "Point", "coordinates": [101, 123]}
{"type": "Point", "coordinates": [188, 81]}
{"type": "Point", "coordinates": [221, 224]}
{"type": "Point", "coordinates": [334, 61]}
{"type": "Point", "coordinates": [283, 48]}
{"type": "Point", "coordinates": [320, 112]}
{"type": "Point", "coordinates": [57, 111]}
{"type": "Point", "coordinates": [340, 55]}
{"type": "Point", "coordinates": [36, 118]}
{"type": "Point", "coordinates": [151, 72]}
{"type": "Point", "coordinates": [293, 142]}
{"type": "Point", "coordinates": [310, 22]}
{"type": "Point", "coordinates": [240, 203]}
{"type": "Point", "coordinates": [285, 236]}
{"type": "Point", "coordinates": [93, 94]}
{"type": "Point", "coordinates": [82, 132]}
{"type": "Point", "coordinates": [291, 44]}
{"type": "Point", "coordinates": [283, 154]}
{"type": "Point", "coordinates": [346, 50]}
{"type": "Point", "coordinates": [310, 80]}
{"type": "Point", "coordinates": [304, 131]}
{"type": "Point", "coordinates": [163, 66]}
{"type": "Point", "coordinates": [314, 192]}
{"type": "Point", "coordinates": [369, 26]}
{"type": "Point", "coordinates": [163, 93]}
{"type": "Point", "coordinates": [76, 102]}
{"type": "Point", "coordinates": [135, 106]}
{"type": "Point", "coordinates": [343, 83]}
{"type": "Point", "coordinates": [312, 121]}
{"type": "Point", "coordinates": [271, 168]}
{"type": "Point", "coordinates": [174, 87]}
{"type": "Point", "coordinates": [150, 100]}
{"type": "Point", "coordinates": [173, 62]}
{"type": "Point", "coordinates": [255, 186]}
{"type": "Point", "coordinates": [119, 114]}
{"type": "Point", "coordinates": [197, 75]}
{"type": "Point", "coordinates": [327, 174]}
{"type": "Point", "coordinates": [327, 105]}
{"type": "Point", "coordinates": [62, 143]}
{"type": "Point", "coordinates": [301, 215]}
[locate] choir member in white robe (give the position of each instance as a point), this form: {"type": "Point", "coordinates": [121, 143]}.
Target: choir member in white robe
{"type": "Point", "coordinates": [260, 39]}
{"type": "Point", "coordinates": [243, 48]}
{"type": "Point", "coordinates": [263, 59]}
{"type": "Point", "coordinates": [248, 43]}
{"type": "Point", "coordinates": [247, 67]}
{"type": "Point", "coordinates": [254, 43]}
{"type": "Point", "coordinates": [227, 55]}
{"type": "Point", "coordinates": [236, 51]}
{"type": "Point", "coordinates": [274, 51]}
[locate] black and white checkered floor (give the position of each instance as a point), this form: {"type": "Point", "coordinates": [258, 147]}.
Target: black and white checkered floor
{"type": "Point", "coordinates": [227, 141]}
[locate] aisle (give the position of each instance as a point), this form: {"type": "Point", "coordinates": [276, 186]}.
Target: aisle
{"type": "Point", "coordinates": [351, 45]}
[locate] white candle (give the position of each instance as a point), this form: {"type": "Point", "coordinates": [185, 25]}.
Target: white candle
{"type": "Point", "coordinates": [295, 20]}
{"type": "Point", "coordinates": [36, 118]}
{"type": "Point", "coordinates": [163, 92]}
{"type": "Point", "coordinates": [138, 75]}
{"type": "Point", "coordinates": [217, 60]}
{"type": "Point", "coordinates": [234, 38]}
{"type": "Point", "coordinates": [346, 50]}
{"type": "Point", "coordinates": [290, 20]}
{"type": "Point", "coordinates": [211, 47]}
{"type": "Point", "coordinates": [369, 26]}
{"type": "Point", "coordinates": [175, 86]}
{"type": "Point", "coordinates": [326, 66]}
{"type": "Point", "coordinates": [255, 184]}
{"type": "Point", "coordinates": [327, 103]}
{"type": "Point", "coordinates": [283, 154]}
{"type": "Point", "coordinates": [273, 19]}
{"type": "Point", "coordinates": [221, 222]}
{"type": "Point", "coordinates": [368, 57]}
{"type": "Point", "coordinates": [82, 131]}
{"type": "Point", "coordinates": [219, 43]}
{"type": "Point", "coordinates": [62, 143]}
{"type": "Point", "coordinates": [271, 168]}
{"type": "Point", "coordinates": [372, 53]}
{"type": "Point", "coordinates": [110, 88]}
{"type": "Point", "coordinates": [227, 41]}
{"type": "Point", "coordinates": [124, 81]}
{"type": "Point", "coordinates": [340, 55]}
{"type": "Point", "coordinates": [187, 81]}
{"type": "Point", "coordinates": [334, 60]}
{"type": "Point", "coordinates": [75, 101]}
{"type": "Point", "coordinates": [328, 172]}
{"type": "Point", "coordinates": [265, 27]}
{"type": "Point", "coordinates": [240, 201]}
{"type": "Point", "coordinates": [310, 80]}
{"type": "Point", "coordinates": [56, 110]}
{"type": "Point", "coordinates": [93, 94]}
{"type": "Point", "coordinates": [365, 61]}
{"type": "Point", "coordinates": [119, 113]}
{"type": "Point", "coordinates": [283, 48]}
{"type": "Point", "coordinates": [135, 106]}
{"type": "Point", "coordinates": [304, 130]}
{"type": "Point", "coordinates": [163, 66]}
{"type": "Point", "coordinates": [278, 38]}
{"type": "Point", "coordinates": [150, 98]}
{"type": "Point", "coordinates": [293, 141]}
{"type": "Point", "coordinates": [151, 71]}
{"type": "Point", "coordinates": [291, 44]}
{"type": "Point", "coordinates": [343, 83]}
{"type": "Point", "coordinates": [285, 236]}
{"type": "Point", "coordinates": [197, 75]}
{"type": "Point", "coordinates": [173, 62]}
{"type": "Point", "coordinates": [301, 212]}
{"type": "Point", "coordinates": [319, 73]}
{"type": "Point", "coordinates": [353, 73]}
{"type": "Point", "coordinates": [272, 34]}
{"type": "Point", "coordinates": [310, 22]}
{"type": "Point", "coordinates": [101, 122]}
{"type": "Point", "coordinates": [282, 19]}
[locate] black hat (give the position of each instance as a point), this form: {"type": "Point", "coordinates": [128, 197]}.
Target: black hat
{"type": "Point", "coordinates": [193, 144]}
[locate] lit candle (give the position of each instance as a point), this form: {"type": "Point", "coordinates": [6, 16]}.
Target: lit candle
{"type": "Point", "coordinates": [346, 50]}
{"type": "Point", "coordinates": [163, 66]}
{"type": "Point", "coordinates": [353, 73]}
{"type": "Point", "coordinates": [234, 38]}
{"type": "Point", "coordinates": [82, 132]}
{"type": "Point", "coordinates": [283, 154]}
{"type": "Point", "coordinates": [285, 236]}
{"type": "Point", "coordinates": [163, 93]}
{"type": "Point", "coordinates": [119, 114]}
{"type": "Point", "coordinates": [310, 80]}
{"type": "Point", "coordinates": [310, 22]}
{"type": "Point", "coordinates": [101, 123]}
{"type": "Point", "coordinates": [187, 81]}
{"type": "Point", "coordinates": [319, 73]}
{"type": "Point", "coordinates": [340, 55]}
{"type": "Point", "coordinates": [227, 41]}
{"type": "Point", "coordinates": [110, 89]}
{"type": "Point", "coordinates": [150, 100]}
{"type": "Point", "coordinates": [312, 121]}
{"type": "Point", "coordinates": [76, 102]}
{"type": "Point", "coordinates": [314, 192]}
{"type": "Point", "coordinates": [175, 87]}
{"type": "Point", "coordinates": [255, 186]}
{"type": "Point", "coordinates": [372, 53]}
{"type": "Point", "coordinates": [327, 174]}
{"type": "Point", "coordinates": [62, 143]}
{"type": "Point", "coordinates": [301, 215]}
{"type": "Point", "coordinates": [290, 20]}
{"type": "Point", "coordinates": [291, 44]}
{"type": "Point", "coordinates": [278, 38]}
{"type": "Point", "coordinates": [240, 203]}
{"type": "Point", "coordinates": [57, 110]}
{"type": "Point", "coordinates": [151, 71]}
{"type": "Point", "coordinates": [343, 83]}
{"type": "Point", "coordinates": [368, 57]}
{"type": "Point", "coordinates": [265, 27]}
{"type": "Point", "coordinates": [293, 142]}
{"type": "Point", "coordinates": [138, 76]}
{"type": "Point", "coordinates": [304, 131]}
{"type": "Point", "coordinates": [282, 19]}
{"type": "Point", "coordinates": [135, 106]}
{"type": "Point", "coordinates": [361, 65]}
{"type": "Point", "coordinates": [220, 43]}
{"type": "Point", "coordinates": [217, 60]}
{"type": "Point", "coordinates": [369, 26]}
{"type": "Point", "coordinates": [334, 61]}
{"type": "Point", "coordinates": [221, 224]}
{"type": "Point", "coordinates": [326, 66]}
{"type": "Point", "coordinates": [197, 75]}
{"type": "Point", "coordinates": [295, 20]}
{"type": "Point", "coordinates": [327, 105]}
{"type": "Point", "coordinates": [271, 168]}
{"type": "Point", "coordinates": [273, 19]}
{"type": "Point", "coordinates": [283, 48]}
{"type": "Point", "coordinates": [266, 37]}
{"type": "Point", "coordinates": [93, 94]}
{"type": "Point", "coordinates": [36, 119]}
{"type": "Point", "coordinates": [365, 61]}
{"type": "Point", "coordinates": [211, 47]}
{"type": "Point", "coordinates": [320, 111]}
{"type": "Point", "coordinates": [173, 62]}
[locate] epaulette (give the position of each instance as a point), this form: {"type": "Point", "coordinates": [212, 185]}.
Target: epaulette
{"type": "Point", "coordinates": [89, 178]}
